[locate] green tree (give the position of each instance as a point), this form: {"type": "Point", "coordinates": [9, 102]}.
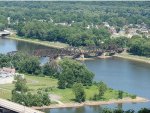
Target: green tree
{"type": "Point", "coordinates": [72, 72]}
{"type": "Point", "coordinates": [30, 65]}
{"type": "Point", "coordinates": [120, 94]}
{"type": "Point", "coordinates": [2, 26]}
{"type": "Point", "coordinates": [48, 70]}
{"type": "Point", "coordinates": [4, 61]}
{"type": "Point", "coordinates": [21, 95]}
{"type": "Point", "coordinates": [21, 86]}
{"type": "Point", "coordinates": [102, 87]}
{"type": "Point", "coordinates": [79, 92]}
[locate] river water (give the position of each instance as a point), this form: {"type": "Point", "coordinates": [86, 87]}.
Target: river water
{"type": "Point", "coordinates": [126, 75]}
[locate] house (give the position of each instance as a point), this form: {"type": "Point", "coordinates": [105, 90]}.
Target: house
{"type": "Point", "coordinates": [144, 30]}
{"type": "Point", "coordinates": [106, 24]}
{"type": "Point", "coordinates": [63, 24]}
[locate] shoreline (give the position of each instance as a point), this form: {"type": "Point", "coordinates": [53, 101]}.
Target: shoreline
{"type": "Point", "coordinates": [94, 103]}
{"type": "Point", "coordinates": [52, 45]}
{"type": "Point", "coordinates": [59, 45]}
{"type": "Point", "coordinates": [94, 58]}
{"type": "Point", "coordinates": [133, 57]}
{"type": "Point", "coordinates": [56, 45]}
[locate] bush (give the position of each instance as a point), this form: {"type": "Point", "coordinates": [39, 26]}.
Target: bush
{"type": "Point", "coordinates": [74, 72]}
{"type": "Point", "coordinates": [133, 96]}
{"type": "Point", "coordinates": [120, 94]}
{"type": "Point", "coordinates": [79, 92]}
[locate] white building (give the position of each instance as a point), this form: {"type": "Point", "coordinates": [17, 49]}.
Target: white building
{"type": "Point", "coordinates": [7, 75]}
{"type": "Point", "coordinates": [106, 24]}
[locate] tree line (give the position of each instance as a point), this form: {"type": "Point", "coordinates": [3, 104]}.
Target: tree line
{"type": "Point", "coordinates": [115, 13]}
{"type": "Point", "coordinates": [75, 35]}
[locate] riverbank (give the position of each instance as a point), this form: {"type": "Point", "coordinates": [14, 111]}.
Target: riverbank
{"type": "Point", "coordinates": [39, 42]}
{"type": "Point", "coordinates": [94, 103]}
{"type": "Point", "coordinates": [126, 55]}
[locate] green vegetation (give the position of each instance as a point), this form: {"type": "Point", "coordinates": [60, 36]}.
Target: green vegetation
{"type": "Point", "coordinates": [21, 86]}
{"type": "Point", "coordinates": [136, 45]}
{"type": "Point", "coordinates": [22, 62]}
{"type": "Point", "coordinates": [67, 71]}
{"type": "Point", "coordinates": [116, 13]}
{"type": "Point", "coordinates": [73, 35]}
{"type": "Point", "coordinates": [74, 72]}
{"type": "Point", "coordinates": [4, 61]}
{"type": "Point", "coordinates": [120, 94]}
{"type": "Point", "coordinates": [50, 86]}
{"type": "Point", "coordinates": [140, 46]}
{"type": "Point", "coordinates": [75, 23]}
{"type": "Point", "coordinates": [102, 88]}
{"type": "Point", "coordinates": [21, 95]}
{"type": "Point", "coordinates": [79, 92]}
{"type": "Point", "coordinates": [69, 75]}
{"type": "Point", "coordinates": [143, 110]}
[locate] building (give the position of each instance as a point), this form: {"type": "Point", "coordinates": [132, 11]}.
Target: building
{"type": "Point", "coordinates": [106, 24]}
{"type": "Point", "coordinates": [63, 24]}
{"type": "Point", "coordinates": [7, 75]}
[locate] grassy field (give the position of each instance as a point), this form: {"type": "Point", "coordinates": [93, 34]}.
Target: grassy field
{"type": "Point", "coordinates": [48, 84]}
{"type": "Point", "coordinates": [36, 41]}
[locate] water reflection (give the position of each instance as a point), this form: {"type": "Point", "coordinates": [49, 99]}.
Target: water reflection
{"type": "Point", "coordinates": [7, 45]}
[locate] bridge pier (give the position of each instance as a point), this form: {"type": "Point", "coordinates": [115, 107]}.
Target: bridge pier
{"type": "Point", "coordinates": [58, 57]}
{"type": "Point", "coordinates": [82, 56]}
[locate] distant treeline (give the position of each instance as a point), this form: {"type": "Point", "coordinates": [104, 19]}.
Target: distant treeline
{"type": "Point", "coordinates": [75, 35]}
{"type": "Point", "coordinates": [37, 20]}
{"type": "Point", "coordinates": [96, 12]}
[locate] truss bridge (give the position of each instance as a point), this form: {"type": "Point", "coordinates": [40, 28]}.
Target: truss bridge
{"type": "Point", "coordinates": [71, 51]}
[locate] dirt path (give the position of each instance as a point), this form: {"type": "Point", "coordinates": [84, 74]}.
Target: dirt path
{"type": "Point", "coordinates": [56, 98]}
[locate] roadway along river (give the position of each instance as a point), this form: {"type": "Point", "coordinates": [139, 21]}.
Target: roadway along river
{"type": "Point", "coordinates": [126, 75]}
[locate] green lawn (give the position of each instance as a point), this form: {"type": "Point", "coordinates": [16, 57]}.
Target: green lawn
{"type": "Point", "coordinates": [41, 83]}
{"type": "Point", "coordinates": [33, 82]}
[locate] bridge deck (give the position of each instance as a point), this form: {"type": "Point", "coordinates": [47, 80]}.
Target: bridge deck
{"type": "Point", "coordinates": [17, 107]}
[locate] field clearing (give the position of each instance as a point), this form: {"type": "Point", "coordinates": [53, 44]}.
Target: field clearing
{"type": "Point", "coordinates": [36, 83]}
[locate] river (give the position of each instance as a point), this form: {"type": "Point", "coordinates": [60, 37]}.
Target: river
{"type": "Point", "coordinates": [126, 75]}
